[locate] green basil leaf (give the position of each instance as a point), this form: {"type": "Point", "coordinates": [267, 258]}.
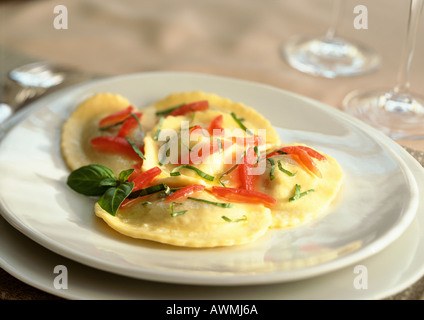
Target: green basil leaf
{"type": "Point", "coordinates": [125, 174]}
{"type": "Point", "coordinates": [87, 180]}
{"type": "Point", "coordinates": [114, 196]}
{"type": "Point", "coordinates": [109, 182]}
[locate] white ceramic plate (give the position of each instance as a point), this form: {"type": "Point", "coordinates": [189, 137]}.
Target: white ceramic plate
{"type": "Point", "coordinates": [388, 272]}
{"type": "Point", "coordinates": [378, 202]}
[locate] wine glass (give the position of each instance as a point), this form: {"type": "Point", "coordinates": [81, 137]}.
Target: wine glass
{"type": "Point", "coordinates": [330, 56]}
{"type": "Point", "coordinates": [395, 111]}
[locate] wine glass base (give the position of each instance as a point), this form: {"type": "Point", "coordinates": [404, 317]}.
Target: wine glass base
{"type": "Point", "coordinates": [329, 57]}
{"type": "Point", "coordinates": [396, 116]}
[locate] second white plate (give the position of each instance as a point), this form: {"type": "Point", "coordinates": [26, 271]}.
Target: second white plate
{"type": "Point", "coordinates": [379, 199]}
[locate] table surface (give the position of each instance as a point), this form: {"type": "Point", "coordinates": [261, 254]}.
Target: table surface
{"type": "Point", "coordinates": [237, 38]}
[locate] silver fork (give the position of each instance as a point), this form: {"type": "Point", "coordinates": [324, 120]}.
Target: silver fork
{"type": "Point", "coordinates": [31, 81]}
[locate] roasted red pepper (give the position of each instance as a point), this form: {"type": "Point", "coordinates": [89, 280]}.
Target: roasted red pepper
{"type": "Point", "coordinates": [111, 144]}
{"type": "Point", "coordinates": [243, 196]}
{"type": "Point", "coordinates": [303, 155]}
{"type": "Point", "coordinates": [144, 179]}
{"type": "Point", "coordinates": [129, 124]}
{"type": "Point", "coordinates": [184, 192]}
{"type": "Point", "coordinates": [116, 117]}
{"type": "Point", "coordinates": [190, 107]}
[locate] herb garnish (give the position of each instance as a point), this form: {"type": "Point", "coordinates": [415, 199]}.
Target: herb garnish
{"type": "Point", "coordinates": [167, 111]}
{"type": "Point", "coordinates": [159, 128]}
{"type": "Point", "coordinates": [174, 214]}
{"type": "Point", "coordinates": [149, 190]}
{"type": "Point", "coordinates": [218, 204]}
{"type": "Point", "coordinates": [243, 218]}
{"type": "Point", "coordinates": [291, 174]}
{"type": "Point", "coordinates": [225, 173]}
{"type": "Point", "coordinates": [202, 174]}
{"type": "Point", "coordinates": [240, 124]}
{"type": "Point", "coordinates": [98, 180]}
{"type": "Point", "coordinates": [298, 194]}
{"type": "Point", "coordinates": [271, 172]}
{"type": "Point", "coordinates": [135, 148]}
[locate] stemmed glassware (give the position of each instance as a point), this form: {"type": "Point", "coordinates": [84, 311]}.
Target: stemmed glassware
{"type": "Point", "coordinates": [397, 112]}
{"type": "Point", "coordinates": [330, 56]}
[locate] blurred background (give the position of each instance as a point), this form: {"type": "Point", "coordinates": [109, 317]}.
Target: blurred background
{"type": "Point", "coordinates": [236, 38]}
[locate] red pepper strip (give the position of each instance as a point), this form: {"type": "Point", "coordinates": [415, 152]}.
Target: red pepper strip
{"type": "Point", "coordinates": [115, 117]}
{"type": "Point", "coordinates": [216, 124]}
{"type": "Point", "coordinates": [243, 196]}
{"type": "Point", "coordinates": [309, 151]}
{"type": "Point", "coordinates": [245, 141]}
{"type": "Point", "coordinates": [198, 154]}
{"type": "Point", "coordinates": [292, 150]}
{"type": "Point", "coordinates": [184, 192]}
{"type": "Point", "coordinates": [191, 107]}
{"type": "Point", "coordinates": [196, 127]}
{"type": "Point", "coordinates": [137, 170]}
{"type": "Point", "coordinates": [303, 155]}
{"type": "Point", "coordinates": [247, 180]}
{"type": "Point", "coordinates": [114, 145]}
{"type": "Point", "coordinates": [145, 178]}
{"type": "Point", "coordinates": [129, 124]}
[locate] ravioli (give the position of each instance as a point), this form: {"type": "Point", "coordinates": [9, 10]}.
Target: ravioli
{"type": "Point", "coordinates": [320, 192]}
{"type": "Point", "coordinates": [253, 118]}
{"type": "Point", "coordinates": [222, 163]}
{"type": "Point", "coordinates": [202, 225]}
{"type": "Point", "coordinates": [83, 125]}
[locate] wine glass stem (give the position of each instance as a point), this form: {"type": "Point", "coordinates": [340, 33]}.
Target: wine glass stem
{"type": "Point", "coordinates": [337, 7]}
{"type": "Point", "coordinates": [415, 10]}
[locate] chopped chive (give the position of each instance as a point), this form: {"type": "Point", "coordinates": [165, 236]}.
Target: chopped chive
{"type": "Point", "coordinates": [158, 129]}
{"type": "Point", "coordinates": [174, 214]}
{"type": "Point", "coordinates": [240, 124]}
{"type": "Point", "coordinates": [291, 174]}
{"type": "Point", "coordinates": [166, 151]}
{"type": "Point", "coordinates": [218, 204]}
{"type": "Point", "coordinates": [298, 194]}
{"type": "Point", "coordinates": [204, 175]}
{"type": "Point", "coordinates": [135, 148]}
{"type": "Point", "coordinates": [256, 149]}
{"type": "Point", "coordinates": [138, 121]}
{"type": "Point", "coordinates": [243, 218]}
{"type": "Point", "coordinates": [225, 173]}
{"type": "Point", "coordinates": [220, 148]}
{"type": "Point", "coordinates": [112, 125]}
{"type": "Point", "coordinates": [167, 111]}
{"type": "Point", "coordinates": [277, 151]}
{"type": "Point", "coordinates": [271, 172]}
{"type": "Point", "coordinates": [148, 190]}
